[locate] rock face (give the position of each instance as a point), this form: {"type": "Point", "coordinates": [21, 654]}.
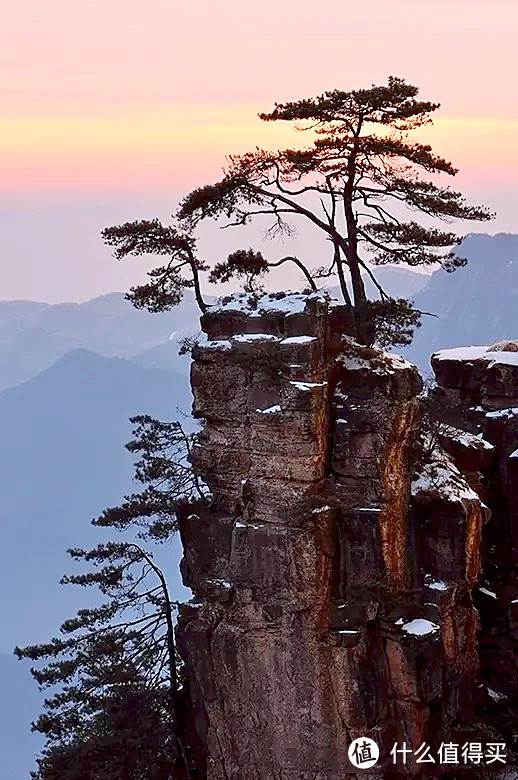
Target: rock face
{"type": "Point", "coordinates": [480, 387]}
{"type": "Point", "coordinates": [336, 571]}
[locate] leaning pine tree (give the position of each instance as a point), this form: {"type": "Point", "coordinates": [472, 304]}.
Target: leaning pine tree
{"type": "Point", "coordinates": [370, 189]}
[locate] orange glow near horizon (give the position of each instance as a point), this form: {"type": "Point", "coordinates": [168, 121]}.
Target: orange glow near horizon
{"type": "Point", "coordinates": [105, 98]}
{"type": "Point", "coordinates": [163, 147]}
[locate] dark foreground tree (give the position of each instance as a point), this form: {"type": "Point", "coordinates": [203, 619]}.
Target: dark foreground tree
{"type": "Point", "coordinates": [132, 737]}
{"type": "Point", "coordinates": [370, 190]}
{"type": "Point", "coordinates": [113, 711]}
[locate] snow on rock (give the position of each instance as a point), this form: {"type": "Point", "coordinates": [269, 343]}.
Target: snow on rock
{"type": "Point", "coordinates": [271, 410]}
{"type": "Point", "coordinates": [488, 592]}
{"type": "Point", "coordinates": [254, 526]}
{"type": "Point", "coordinates": [460, 353]}
{"type": "Point", "coordinates": [222, 583]}
{"type": "Point", "coordinates": [244, 338]}
{"type": "Point", "coordinates": [503, 414]}
{"type": "Point", "coordinates": [495, 695]}
{"type": "Point", "coordinates": [220, 344]}
{"type": "Point", "coordinates": [381, 363]}
{"type": "Point", "coordinates": [258, 305]}
{"type": "Point", "coordinates": [504, 358]}
{"type": "Point", "coordinates": [299, 340]}
{"type": "Point", "coordinates": [434, 584]}
{"type": "Point", "coordinates": [465, 439]}
{"type": "Point", "coordinates": [487, 354]}
{"type": "Point", "coordinates": [510, 345]}
{"type": "Point", "coordinates": [440, 476]}
{"type": "Point", "coordinates": [306, 385]}
{"type": "Point", "coordinates": [355, 363]}
{"type": "Point", "coordinates": [420, 627]}
{"type": "Point", "coordinates": [514, 454]}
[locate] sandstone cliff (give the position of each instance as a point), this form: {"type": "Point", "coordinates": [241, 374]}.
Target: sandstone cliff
{"type": "Point", "coordinates": [355, 573]}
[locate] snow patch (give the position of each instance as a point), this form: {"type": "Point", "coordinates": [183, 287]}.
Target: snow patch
{"type": "Point", "coordinates": [256, 306]}
{"type": "Point", "coordinates": [220, 582]}
{"type": "Point", "coordinates": [488, 592]}
{"type": "Point", "coordinates": [299, 340]}
{"type": "Point", "coordinates": [245, 338]}
{"type": "Point", "coordinates": [221, 344]}
{"type": "Point", "coordinates": [306, 385]}
{"type": "Point", "coordinates": [435, 584]}
{"type": "Point", "coordinates": [495, 695]}
{"type": "Point", "coordinates": [465, 439]}
{"type": "Point", "coordinates": [460, 353]}
{"type": "Point", "coordinates": [420, 627]}
{"type": "Point", "coordinates": [443, 477]}
{"type": "Point", "coordinates": [503, 414]}
{"type": "Point", "coordinates": [383, 365]}
{"type": "Point", "coordinates": [271, 410]}
{"type": "Point", "coordinates": [484, 353]}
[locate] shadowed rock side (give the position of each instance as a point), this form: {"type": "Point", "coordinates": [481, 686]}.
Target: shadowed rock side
{"type": "Point", "coordinates": [334, 571]}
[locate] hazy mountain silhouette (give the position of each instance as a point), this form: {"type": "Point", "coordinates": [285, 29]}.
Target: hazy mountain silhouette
{"type": "Point", "coordinates": [165, 356]}
{"type": "Point", "coordinates": [63, 436]}
{"type": "Point", "coordinates": [397, 281]}
{"type": "Point", "coordinates": [475, 304]}
{"type": "Point", "coordinates": [34, 335]}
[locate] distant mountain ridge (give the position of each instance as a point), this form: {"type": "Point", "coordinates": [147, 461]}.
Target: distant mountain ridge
{"type": "Point", "coordinates": [34, 335]}
{"type": "Point", "coordinates": [108, 324]}
{"type": "Point", "coordinates": [63, 461]}
{"type": "Point", "coordinates": [474, 305]}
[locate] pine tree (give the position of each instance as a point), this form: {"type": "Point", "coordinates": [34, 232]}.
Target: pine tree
{"type": "Point", "coordinates": [360, 181]}
{"type": "Point", "coordinates": [113, 713]}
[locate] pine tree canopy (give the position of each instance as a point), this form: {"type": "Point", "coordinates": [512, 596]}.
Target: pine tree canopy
{"type": "Point", "coordinates": [372, 190]}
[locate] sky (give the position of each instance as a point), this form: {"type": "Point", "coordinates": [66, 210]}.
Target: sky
{"type": "Point", "coordinates": [113, 109]}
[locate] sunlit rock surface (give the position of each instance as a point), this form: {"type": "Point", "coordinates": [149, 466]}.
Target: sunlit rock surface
{"type": "Point", "coordinates": [341, 572]}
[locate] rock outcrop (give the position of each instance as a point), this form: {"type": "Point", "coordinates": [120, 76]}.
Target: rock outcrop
{"type": "Point", "coordinates": [340, 572]}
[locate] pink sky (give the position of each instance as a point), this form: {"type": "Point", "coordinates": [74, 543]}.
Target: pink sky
{"type": "Point", "coordinates": [139, 99]}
